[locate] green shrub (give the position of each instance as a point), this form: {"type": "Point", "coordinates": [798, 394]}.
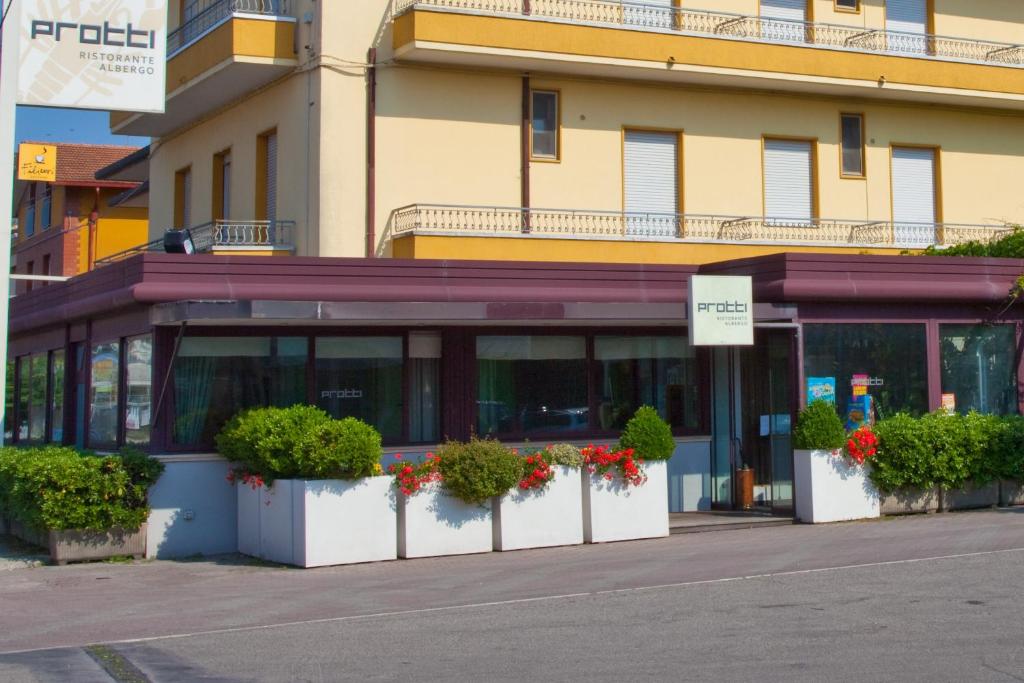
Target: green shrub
{"type": "Point", "coordinates": [981, 446]}
{"type": "Point", "coordinates": [905, 458]}
{"type": "Point", "coordinates": [54, 488]}
{"type": "Point", "coordinates": [479, 470]}
{"type": "Point", "coordinates": [1008, 449]}
{"type": "Point", "coordinates": [648, 435]}
{"type": "Point", "coordinates": [564, 454]}
{"type": "Point", "coordinates": [1010, 245]}
{"type": "Point", "coordinates": [947, 438]}
{"type": "Point", "coordinates": [818, 427]}
{"type": "Point", "coordinates": [339, 449]}
{"type": "Point", "coordinates": [262, 440]}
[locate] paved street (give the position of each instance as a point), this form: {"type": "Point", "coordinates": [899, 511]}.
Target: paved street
{"type": "Point", "coordinates": [935, 598]}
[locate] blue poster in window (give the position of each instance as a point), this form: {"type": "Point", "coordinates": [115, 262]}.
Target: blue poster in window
{"type": "Point", "coordinates": [858, 412]}
{"type": "Point", "coordinates": [821, 389]}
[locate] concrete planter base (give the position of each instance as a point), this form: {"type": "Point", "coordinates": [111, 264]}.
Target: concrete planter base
{"type": "Point", "coordinates": [79, 545]}
{"type": "Point", "coordinates": [971, 496]}
{"type": "Point", "coordinates": [432, 523]}
{"type": "Point", "coordinates": [317, 523]}
{"type": "Point", "coordinates": [540, 519]}
{"type": "Point", "coordinates": [613, 511]}
{"type": "Point", "coordinates": [910, 501]}
{"type": "Point", "coordinates": [830, 488]}
{"type": "Point", "coordinates": [1011, 493]}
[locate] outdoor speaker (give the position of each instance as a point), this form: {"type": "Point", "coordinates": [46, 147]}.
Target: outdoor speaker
{"type": "Point", "coordinates": [178, 242]}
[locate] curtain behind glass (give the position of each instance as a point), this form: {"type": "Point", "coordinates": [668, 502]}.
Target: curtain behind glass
{"type": "Point", "coordinates": [978, 367]}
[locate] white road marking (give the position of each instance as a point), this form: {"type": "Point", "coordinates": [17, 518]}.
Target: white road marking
{"type": "Point", "coordinates": [520, 601]}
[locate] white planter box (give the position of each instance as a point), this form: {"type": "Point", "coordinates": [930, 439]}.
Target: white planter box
{"type": "Point", "coordinates": [613, 511]}
{"type": "Point", "coordinates": [432, 523]}
{"type": "Point", "coordinates": [829, 489]}
{"type": "Point", "coordinates": [315, 523]}
{"type": "Point", "coordinates": [541, 519]}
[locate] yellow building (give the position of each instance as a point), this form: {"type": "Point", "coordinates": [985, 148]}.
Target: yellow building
{"type": "Point", "coordinates": [588, 130]}
{"type": "Point", "coordinates": [96, 207]}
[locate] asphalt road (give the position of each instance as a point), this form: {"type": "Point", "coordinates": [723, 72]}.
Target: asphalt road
{"type": "Point", "coordinates": [938, 598]}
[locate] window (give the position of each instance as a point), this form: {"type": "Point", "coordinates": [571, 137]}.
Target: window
{"type": "Point", "coordinates": [9, 408]}
{"type": "Point", "coordinates": [183, 198]}
{"type": "Point", "coordinates": [516, 393]}
{"type": "Point", "coordinates": [852, 145]}
{"type": "Point", "coordinates": [651, 182]}
{"type": "Point", "coordinates": [783, 20]}
{"type": "Point", "coordinates": [789, 182]}
{"type": "Point", "coordinates": [29, 228]}
{"type": "Point", "coordinates": [424, 387]}
{"type": "Point", "coordinates": [104, 385]}
{"type": "Point", "coordinates": [847, 5]}
{"type": "Point", "coordinates": [979, 368]}
{"type": "Point", "coordinates": [138, 407]}
{"type": "Point", "coordinates": [544, 127]}
{"type": "Point", "coordinates": [215, 377]}
{"type": "Point", "coordinates": [892, 357]}
{"type": "Point", "coordinates": [914, 196]}
{"type": "Point", "coordinates": [266, 176]}
{"type": "Point", "coordinates": [24, 394]}
{"type": "Point", "coordinates": [362, 377]}
{"type": "Point", "coordinates": [656, 371]}
{"type": "Point", "coordinates": [222, 185]}
{"type": "Point", "coordinates": [56, 434]}
{"type": "Point", "coordinates": [45, 212]}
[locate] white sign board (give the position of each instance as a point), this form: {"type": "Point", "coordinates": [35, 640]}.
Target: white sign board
{"type": "Point", "coordinates": [93, 54]}
{"type": "Point", "coordinates": [721, 310]}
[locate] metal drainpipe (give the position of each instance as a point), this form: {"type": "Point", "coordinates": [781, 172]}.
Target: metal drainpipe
{"type": "Point", "coordinates": [371, 155]}
{"type": "Point", "coordinates": [94, 224]}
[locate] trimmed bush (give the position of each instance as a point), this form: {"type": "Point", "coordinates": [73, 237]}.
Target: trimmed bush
{"type": "Point", "coordinates": [263, 440]}
{"type": "Point", "coordinates": [339, 449]}
{"type": "Point", "coordinates": [1008, 449]}
{"type": "Point", "coordinates": [648, 435]}
{"type": "Point", "coordinates": [905, 458]}
{"type": "Point", "coordinates": [818, 428]}
{"type": "Point", "coordinates": [479, 470]}
{"type": "Point", "coordinates": [564, 454]}
{"type": "Point", "coordinates": [53, 488]}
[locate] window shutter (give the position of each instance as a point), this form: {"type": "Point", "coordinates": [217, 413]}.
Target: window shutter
{"type": "Point", "coordinates": [649, 13]}
{"type": "Point", "coordinates": [783, 20]}
{"type": "Point", "coordinates": [651, 183]}
{"type": "Point", "coordinates": [913, 196]}
{"type": "Point", "coordinates": [907, 16]}
{"type": "Point", "coordinates": [788, 181]}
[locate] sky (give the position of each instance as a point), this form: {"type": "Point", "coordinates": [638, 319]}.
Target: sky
{"type": "Point", "coordinates": [47, 124]}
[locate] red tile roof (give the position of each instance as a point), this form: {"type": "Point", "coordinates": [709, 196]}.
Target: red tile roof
{"type": "Point", "coordinates": [78, 163]}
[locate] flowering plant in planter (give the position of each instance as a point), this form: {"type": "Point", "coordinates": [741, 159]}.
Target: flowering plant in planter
{"type": "Point", "coordinates": [410, 476]}
{"type": "Point", "coordinates": [862, 445]}
{"type": "Point", "coordinates": [603, 461]}
{"type": "Point", "coordinates": [537, 472]}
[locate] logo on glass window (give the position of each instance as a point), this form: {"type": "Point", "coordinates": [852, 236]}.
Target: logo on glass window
{"type": "Point", "coordinates": [341, 393]}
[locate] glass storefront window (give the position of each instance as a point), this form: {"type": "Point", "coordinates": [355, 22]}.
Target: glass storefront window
{"type": "Point", "coordinates": [892, 358]}
{"type": "Point", "coordinates": [24, 394]}
{"type": "Point", "coordinates": [362, 377]}
{"type": "Point", "coordinates": [37, 402]}
{"type": "Point", "coordinates": [215, 377]}
{"type": "Point", "coordinates": [978, 367]}
{"type": "Point", "coordinates": [531, 384]}
{"type": "Point", "coordinates": [103, 395]}
{"type": "Point", "coordinates": [9, 416]}
{"type": "Point", "coordinates": [57, 397]}
{"type": "Point", "coordinates": [424, 387]}
{"type": "Point", "coordinates": [657, 371]}
{"type": "Point", "coordinates": [139, 387]}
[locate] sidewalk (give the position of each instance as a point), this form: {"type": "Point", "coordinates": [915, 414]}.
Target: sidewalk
{"type": "Point", "coordinates": [17, 555]}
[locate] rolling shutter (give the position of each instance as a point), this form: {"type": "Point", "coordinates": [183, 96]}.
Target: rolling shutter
{"type": "Point", "coordinates": [649, 13]}
{"type": "Point", "coordinates": [651, 183]}
{"type": "Point", "coordinates": [913, 196]}
{"type": "Point", "coordinates": [788, 181]}
{"type": "Point", "coordinates": [272, 177]}
{"type": "Point", "coordinates": [906, 17]}
{"type": "Point", "coordinates": [783, 20]}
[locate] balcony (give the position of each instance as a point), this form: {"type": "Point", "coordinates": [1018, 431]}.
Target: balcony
{"type": "Point", "coordinates": [753, 234]}
{"type": "Point", "coordinates": [224, 50]}
{"type": "Point", "coordinates": [652, 42]}
{"type": "Point", "coordinates": [246, 238]}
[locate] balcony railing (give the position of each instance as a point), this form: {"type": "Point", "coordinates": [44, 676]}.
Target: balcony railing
{"type": "Point", "coordinates": [744, 27]}
{"type": "Point", "coordinates": [222, 235]}
{"type": "Point", "coordinates": [203, 15]}
{"type": "Point", "coordinates": [485, 220]}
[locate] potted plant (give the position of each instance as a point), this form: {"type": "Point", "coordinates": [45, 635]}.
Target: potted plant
{"type": "Point", "coordinates": [311, 491]}
{"type": "Point", "coordinates": [625, 488]}
{"type": "Point", "coordinates": [545, 508]}
{"type": "Point", "coordinates": [78, 505]}
{"type": "Point", "coordinates": [445, 503]}
{"type": "Point", "coordinates": [830, 479]}
{"type": "Point", "coordinates": [904, 469]}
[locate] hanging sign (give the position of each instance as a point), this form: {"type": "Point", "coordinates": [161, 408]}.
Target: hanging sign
{"type": "Point", "coordinates": [37, 162]}
{"type": "Point", "coordinates": [721, 310]}
{"type": "Point", "coordinates": [93, 54]}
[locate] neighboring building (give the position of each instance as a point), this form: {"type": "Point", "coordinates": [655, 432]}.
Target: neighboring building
{"type": "Point", "coordinates": [65, 226]}
{"type": "Point", "coordinates": [542, 177]}
{"type": "Point", "coordinates": [584, 130]}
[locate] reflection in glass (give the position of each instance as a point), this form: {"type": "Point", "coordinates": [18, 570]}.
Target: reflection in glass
{"type": "Point", "coordinates": [9, 411]}
{"type": "Point", "coordinates": [362, 377]}
{"type": "Point", "coordinates": [57, 397]}
{"type": "Point", "coordinates": [656, 371]}
{"type": "Point", "coordinates": [139, 387]}
{"type": "Point", "coordinates": [24, 394]}
{"type": "Point", "coordinates": [37, 402]}
{"type": "Point", "coordinates": [531, 384]}
{"type": "Point", "coordinates": [978, 367]}
{"type": "Point", "coordinates": [103, 393]}
{"type": "Point", "coordinates": [425, 386]}
{"type": "Point", "coordinates": [215, 377]}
